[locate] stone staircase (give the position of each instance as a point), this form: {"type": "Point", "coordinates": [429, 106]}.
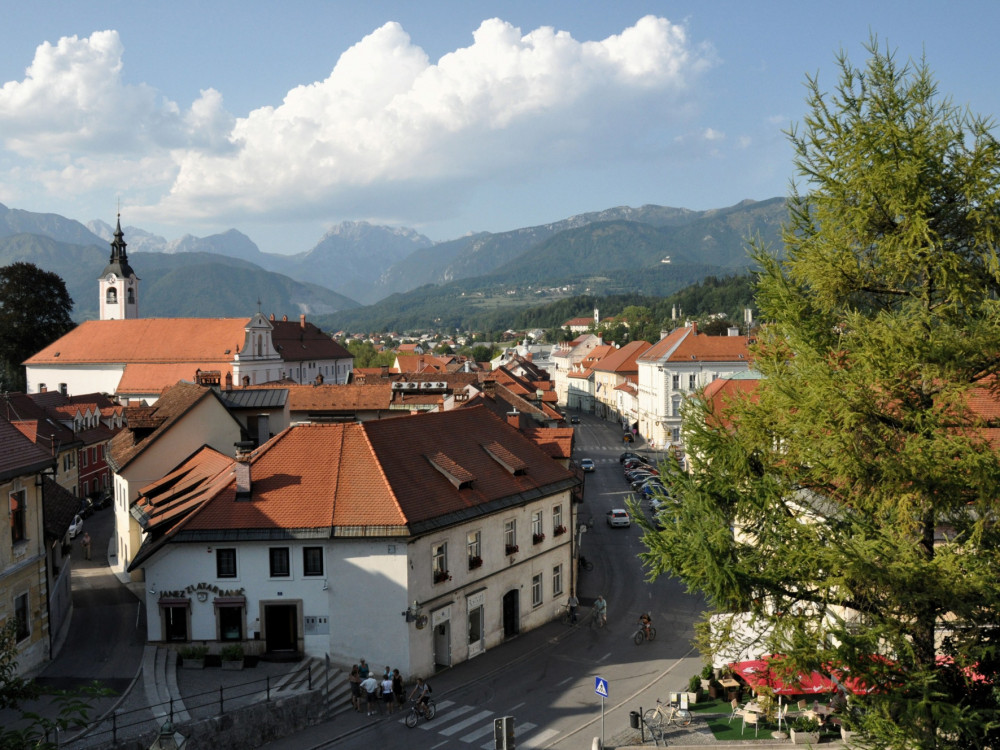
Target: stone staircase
{"type": "Point", "coordinates": [159, 678]}
{"type": "Point", "coordinates": [319, 674]}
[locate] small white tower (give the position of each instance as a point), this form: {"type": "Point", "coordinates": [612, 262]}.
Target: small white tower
{"type": "Point", "coordinates": [118, 285]}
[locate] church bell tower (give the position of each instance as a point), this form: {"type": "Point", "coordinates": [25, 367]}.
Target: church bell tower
{"type": "Point", "coordinates": [118, 285]}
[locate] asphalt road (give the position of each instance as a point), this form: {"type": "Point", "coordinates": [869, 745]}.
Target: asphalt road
{"type": "Point", "coordinates": [546, 680]}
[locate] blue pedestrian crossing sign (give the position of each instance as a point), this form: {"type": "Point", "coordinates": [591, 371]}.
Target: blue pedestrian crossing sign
{"type": "Point", "coordinates": [601, 686]}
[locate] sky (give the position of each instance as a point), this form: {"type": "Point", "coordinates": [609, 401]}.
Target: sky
{"type": "Point", "coordinates": [283, 119]}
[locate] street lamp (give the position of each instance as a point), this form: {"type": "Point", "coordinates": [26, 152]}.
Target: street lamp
{"type": "Point", "coordinates": [169, 738]}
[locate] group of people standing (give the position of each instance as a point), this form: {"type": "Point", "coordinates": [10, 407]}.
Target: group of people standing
{"type": "Point", "coordinates": [381, 695]}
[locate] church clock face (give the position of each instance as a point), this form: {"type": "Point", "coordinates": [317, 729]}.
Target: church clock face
{"type": "Point", "coordinates": [111, 278]}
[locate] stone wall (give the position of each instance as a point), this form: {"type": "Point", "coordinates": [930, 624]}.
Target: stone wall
{"type": "Point", "coordinates": [245, 727]}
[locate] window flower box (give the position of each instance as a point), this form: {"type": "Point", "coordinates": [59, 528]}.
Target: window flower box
{"type": "Point", "coordinates": [475, 562]}
{"type": "Point", "coordinates": [441, 575]}
{"type": "Point", "coordinates": [537, 538]}
{"type": "Point", "coordinates": [511, 549]}
{"type": "Point", "coordinates": [559, 531]}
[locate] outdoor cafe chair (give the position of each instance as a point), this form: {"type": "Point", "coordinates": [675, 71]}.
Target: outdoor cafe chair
{"type": "Point", "coordinates": [751, 718]}
{"type": "Point", "coordinates": [783, 715]}
{"type": "Point", "coordinates": [737, 711]}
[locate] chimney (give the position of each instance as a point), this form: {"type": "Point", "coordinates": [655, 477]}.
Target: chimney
{"type": "Point", "coordinates": [284, 318]}
{"type": "Point", "coordinates": [43, 389]}
{"type": "Point", "coordinates": [244, 450]}
{"type": "Point", "coordinates": [263, 435]}
{"type": "Point", "coordinates": [733, 331]}
{"type": "Point", "coordinates": [272, 316]}
{"type": "Point", "coordinates": [514, 419]}
{"type": "Point", "coordinates": [302, 321]}
{"type": "Point", "coordinates": [490, 388]}
{"type": "Point", "coordinates": [229, 381]}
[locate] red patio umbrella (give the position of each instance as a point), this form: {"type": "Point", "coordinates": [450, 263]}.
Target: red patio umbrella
{"type": "Point", "coordinates": [768, 672]}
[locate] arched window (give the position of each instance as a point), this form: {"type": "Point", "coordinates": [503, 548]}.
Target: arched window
{"type": "Point", "coordinates": [259, 344]}
{"type": "Point", "coordinates": [112, 296]}
{"type": "Point", "coordinates": [131, 296]}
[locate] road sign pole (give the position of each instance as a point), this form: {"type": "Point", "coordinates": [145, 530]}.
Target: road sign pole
{"type": "Point", "coordinates": [602, 721]}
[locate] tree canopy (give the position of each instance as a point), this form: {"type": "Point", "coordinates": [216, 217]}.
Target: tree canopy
{"type": "Point", "coordinates": [845, 508]}
{"type": "Point", "coordinates": [34, 311]}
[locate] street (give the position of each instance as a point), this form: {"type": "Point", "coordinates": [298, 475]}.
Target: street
{"type": "Point", "coordinates": [546, 678]}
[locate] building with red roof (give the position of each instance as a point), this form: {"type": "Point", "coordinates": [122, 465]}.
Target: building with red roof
{"type": "Point", "coordinates": [444, 534]}
{"type": "Point", "coordinates": [677, 366]}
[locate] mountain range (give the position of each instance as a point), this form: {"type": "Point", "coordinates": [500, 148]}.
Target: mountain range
{"type": "Point", "coordinates": [365, 277]}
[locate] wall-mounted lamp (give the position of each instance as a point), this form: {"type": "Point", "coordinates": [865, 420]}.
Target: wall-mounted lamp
{"type": "Point", "coordinates": [152, 589]}
{"type": "Point", "coordinates": [326, 585]}
{"type": "Point", "coordinates": [412, 612]}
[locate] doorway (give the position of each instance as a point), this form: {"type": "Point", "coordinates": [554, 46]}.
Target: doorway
{"type": "Point", "coordinates": [175, 623]}
{"type": "Point", "coordinates": [442, 644]}
{"type": "Point", "coordinates": [511, 613]}
{"type": "Point", "coordinates": [281, 627]}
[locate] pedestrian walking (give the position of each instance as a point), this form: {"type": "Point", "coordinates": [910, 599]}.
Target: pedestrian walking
{"type": "Point", "coordinates": [354, 679]}
{"type": "Point", "coordinates": [388, 697]}
{"type": "Point", "coordinates": [397, 688]}
{"type": "Point", "coordinates": [370, 686]}
{"type": "Point", "coordinates": [86, 545]}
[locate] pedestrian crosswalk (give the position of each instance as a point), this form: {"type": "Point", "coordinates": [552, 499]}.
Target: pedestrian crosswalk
{"type": "Point", "coordinates": [467, 725]}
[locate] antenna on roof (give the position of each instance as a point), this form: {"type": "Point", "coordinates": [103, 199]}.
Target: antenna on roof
{"type": "Point", "coordinates": [258, 304]}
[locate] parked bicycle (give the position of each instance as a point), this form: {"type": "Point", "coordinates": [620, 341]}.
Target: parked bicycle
{"type": "Point", "coordinates": [665, 714]}
{"type": "Point", "coordinates": [416, 714]}
{"type": "Point", "coordinates": [567, 616]}
{"type": "Point", "coordinates": [644, 634]}
{"type": "Point", "coordinates": [585, 564]}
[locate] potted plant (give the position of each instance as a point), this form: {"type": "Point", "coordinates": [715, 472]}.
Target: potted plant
{"type": "Point", "coordinates": [537, 538]}
{"type": "Point", "coordinates": [694, 687]}
{"type": "Point", "coordinates": [441, 575]}
{"type": "Point", "coordinates": [558, 531]}
{"type": "Point", "coordinates": [706, 679]}
{"type": "Point", "coordinates": [232, 656]}
{"type": "Point", "coordinates": [475, 561]}
{"type": "Point", "coordinates": [511, 549]}
{"type": "Point", "coordinates": [193, 657]}
{"type": "Point", "coordinates": [805, 730]}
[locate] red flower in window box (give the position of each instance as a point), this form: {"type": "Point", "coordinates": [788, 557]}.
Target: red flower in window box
{"type": "Point", "coordinates": [475, 562]}
{"type": "Point", "coordinates": [511, 549]}
{"type": "Point", "coordinates": [537, 538]}
{"type": "Point", "coordinates": [441, 576]}
{"type": "Point", "coordinates": [559, 531]}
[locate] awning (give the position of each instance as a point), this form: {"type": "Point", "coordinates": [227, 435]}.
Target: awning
{"type": "Point", "coordinates": [174, 601]}
{"type": "Point", "coordinates": [230, 601]}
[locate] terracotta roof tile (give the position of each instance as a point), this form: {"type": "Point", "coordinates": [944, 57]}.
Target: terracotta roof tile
{"type": "Point", "coordinates": [18, 454]}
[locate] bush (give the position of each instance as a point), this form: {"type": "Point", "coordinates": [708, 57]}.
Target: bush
{"type": "Point", "coordinates": [805, 724]}
{"type": "Point", "coordinates": [232, 652]}
{"type": "Point", "coordinates": [694, 684]}
{"type": "Point", "coordinates": [193, 652]}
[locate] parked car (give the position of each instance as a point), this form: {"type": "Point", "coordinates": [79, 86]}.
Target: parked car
{"type": "Point", "coordinates": [639, 482]}
{"type": "Point", "coordinates": [629, 454]}
{"type": "Point", "coordinates": [75, 527]}
{"type": "Point", "coordinates": [653, 489]}
{"type": "Point", "coordinates": [587, 464]}
{"type": "Point", "coordinates": [102, 499]}
{"type": "Point", "coordinates": [619, 517]}
{"type": "Point", "coordinates": [574, 420]}
{"type": "Point", "coordinates": [635, 463]}
{"type": "Point", "coordinates": [631, 476]}
{"type": "Point", "coordinates": [86, 507]}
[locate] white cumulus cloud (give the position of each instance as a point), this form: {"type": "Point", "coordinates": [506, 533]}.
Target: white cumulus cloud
{"type": "Point", "coordinates": [387, 126]}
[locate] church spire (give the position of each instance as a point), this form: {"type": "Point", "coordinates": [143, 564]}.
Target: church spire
{"type": "Point", "coordinates": [118, 284]}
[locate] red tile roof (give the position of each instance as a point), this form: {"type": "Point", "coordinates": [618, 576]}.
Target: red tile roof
{"type": "Point", "coordinates": [623, 360]}
{"type": "Point", "coordinates": [19, 455]}
{"type": "Point", "coordinates": [687, 345]}
{"type": "Point", "coordinates": [376, 478]}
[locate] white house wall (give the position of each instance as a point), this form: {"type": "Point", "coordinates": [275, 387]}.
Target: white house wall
{"type": "Point", "coordinates": [99, 378]}
{"type": "Point", "coordinates": [208, 423]}
{"type": "Point", "coordinates": [498, 574]}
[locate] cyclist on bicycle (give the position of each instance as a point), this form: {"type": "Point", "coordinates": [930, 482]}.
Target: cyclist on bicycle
{"type": "Point", "coordinates": [600, 608]}
{"type": "Point", "coordinates": [423, 692]}
{"type": "Point", "coordinates": [646, 621]}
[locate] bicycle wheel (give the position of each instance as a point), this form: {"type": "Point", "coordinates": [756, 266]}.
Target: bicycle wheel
{"type": "Point", "coordinates": [639, 637]}
{"type": "Point", "coordinates": [431, 710]}
{"type": "Point", "coordinates": [683, 717]}
{"type": "Point", "coordinates": [654, 720]}
{"type": "Point", "coordinates": [652, 633]}
{"type": "Point", "coordinates": [411, 718]}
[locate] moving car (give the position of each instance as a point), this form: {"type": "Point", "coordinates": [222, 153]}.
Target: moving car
{"type": "Point", "coordinates": [76, 527]}
{"type": "Point", "coordinates": [619, 517]}
{"type": "Point", "coordinates": [587, 464]}
{"type": "Point", "coordinates": [574, 420]}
